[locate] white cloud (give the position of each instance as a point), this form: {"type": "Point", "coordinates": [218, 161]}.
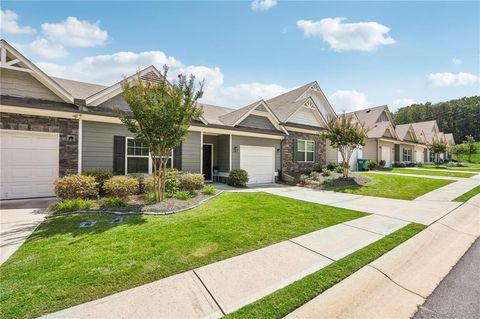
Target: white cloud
{"type": "Point", "coordinates": [348, 100]}
{"type": "Point", "coordinates": [108, 69]}
{"type": "Point", "coordinates": [341, 36]}
{"type": "Point", "coordinates": [75, 33]}
{"type": "Point", "coordinates": [398, 103]}
{"type": "Point", "coordinates": [456, 61]}
{"type": "Point", "coordinates": [42, 47]}
{"type": "Point", "coordinates": [9, 24]}
{"type": "Point", "coordinates": [263, 5]}
{"type": "Point", "coordinates": [452, 79]}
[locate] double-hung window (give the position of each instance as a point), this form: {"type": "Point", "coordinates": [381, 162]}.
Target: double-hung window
{"type": "Point", "coordinates": [137, 157]}
{"type": "Point", "coordinates": [407, 155]}
{"type": "Point", "coordinates": [305, 151]}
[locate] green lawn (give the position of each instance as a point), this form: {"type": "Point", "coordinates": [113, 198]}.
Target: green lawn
{"type": "Point", "coordinates": [286, 300]}
{"type": "Point", "coordinates": [466, 196]}
{"type": "Point", "coordinates": [431, 172]}
{"type": "Point", "coordinates": [395, 186]}
{"type": "Point", "coordinates": [471, 167]}
{"type": "Point", "coordinates": [475, 157]}
{"type": "Point", "coordinates": [62, 265]}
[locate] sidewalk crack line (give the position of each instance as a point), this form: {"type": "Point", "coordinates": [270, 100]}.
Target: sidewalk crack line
{"type": "Point", "coordinates": [396, 283]}
{"type": "Point", "coordinates": [209, 292]}
{"type": "Point", "coordinates": [313, 251]}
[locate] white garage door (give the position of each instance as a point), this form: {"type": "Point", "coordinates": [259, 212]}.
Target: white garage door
{"type": "Point", "coordinates": [259, 162]}
{"type": "Point", "coordinates": [29, 164]}
{"type": "Point", "coordinates": [386, 156]}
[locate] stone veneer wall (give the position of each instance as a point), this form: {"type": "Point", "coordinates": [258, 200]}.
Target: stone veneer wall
{"type": "Point", "coordinates": [68, 151]}
{"type": "Point", "coordinates": [293, 168]}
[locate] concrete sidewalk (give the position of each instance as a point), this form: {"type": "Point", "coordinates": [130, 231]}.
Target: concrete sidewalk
{"type": "Point", "coordinates": [443, 170]}
{"type": "Point", "coordinates": [394, 285]}
{"type": "Point", "coordinates": [417, 175]}
{"type": "Point", "coordinates": [18, 219]}
{"type": "Point", "coordinates": [451, 191]}
{"type": "Point", "coordinates": [423, 212]}
{"type": "Point", "coordinates": [227, 285]}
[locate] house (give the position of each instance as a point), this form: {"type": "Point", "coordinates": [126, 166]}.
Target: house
{"type": "Point", "coordinates": [51, 126]}
{"type": "Point", "coordinates": [431, 133]}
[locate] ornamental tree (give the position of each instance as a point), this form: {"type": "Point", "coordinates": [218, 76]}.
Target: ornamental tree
{"type": "Point", "coordinates": [346, 135]}
{"type": "Point", "coordinates": [436, 147]}
{"type": "Point", "coordinates": [161, 114]}
{"type": "Point", "coordinates": [470, 147]}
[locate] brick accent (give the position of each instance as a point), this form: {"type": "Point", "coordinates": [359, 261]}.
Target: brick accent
{"type": "Point", "coordinates": [68, 151]}
{"type": "Point", "coordinates": [293, 168]}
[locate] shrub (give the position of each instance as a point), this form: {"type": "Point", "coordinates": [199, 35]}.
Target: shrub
{"type": "Point", "coordinates": [399, 164]}
{"type": "Point", "coordinates": [172, 183]}
{"type": "Point", "coordinates": [410, 164]}
{"type": "Point", "coordinates": [110, 202]}
{"type": "Point", "coordinates": [419, 164]}
{"type": "Point", "coordinates": [372, 164]}
{"type": "Point", "coordinates": [101, 176]}
{"type": "Point", "coordinates": [150, 197]}
{"type": "Point", "coordinates": [238, 177]}
{"type": "Point", "coordinates": [326, 173]}
{"type": "Point", "coordinates": [183, 195]}
{"type": "Point", "coordinates": [76, 186]}
{"type": "Point", "coordinates": [331, 166]}
{"type": "Point", "coordinates": [121, 187]}
{"type": "Point", "coordinates": [69, 205]}
{"type": "Point", "coordinates": [339, 169]}
{"type": "Point", "coordinates": [191, 182]}
{"type": "Point", "coordinates": [209, 190]}
{"type": "Point", "coordinates": [318, 167]}
{"type": "Point", "coordinates": [382, 163]}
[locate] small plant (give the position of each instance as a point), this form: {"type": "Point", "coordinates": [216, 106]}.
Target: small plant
{"type": "Point", "coordinates": [172, 182]}
{"type": "Point", "coordinates": [209, 190]}
{"type": "Point", "coordinates": [319, 167]}
{"type": "Point", "coordinates": [110, 202]}
{"type": "Point", "coordinates": [339, 169]}
{"type": "Point", "coordinates": [419, 164]}
{"type": "Point", "coordinates": [76, 186]}
{"type": "Point", "coordinates": [382, 163]}
{"type": "Point", "coordinates": [326, 173]}
{"type": "Point", "coordinates": [149, 197]}
{"type": "Point", "coordinates": [69, 205]}
{"type": "Point", "coordinates": [183, 195]}
{"type": "Point", "coordinates": [101, 176]}
{"type": "Point", "coordinates": [331, 166]}
{"type": "Point", "coordinates": [372, 164]}
{"type": "Point", "coordinates": [192, 182]}
{"type": "Point", "coordinates": [238, 177]}
{"type": "Point", "coordinates": [121, 187]}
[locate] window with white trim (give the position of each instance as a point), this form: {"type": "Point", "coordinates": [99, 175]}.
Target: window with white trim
{"type": "Point", "coordinates": [305, 151]}
{"type": "Point", "coordinates": [407, 155]}
{"type": "Point", "coordinates": [137, 157]}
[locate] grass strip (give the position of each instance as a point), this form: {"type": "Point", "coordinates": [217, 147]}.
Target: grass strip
{"type": "Point", "coordinates": [466, 196]}
{"type": "Point", "coordinates": [289, 298]}
{"type": "Point", "coordinates": [427, 172]}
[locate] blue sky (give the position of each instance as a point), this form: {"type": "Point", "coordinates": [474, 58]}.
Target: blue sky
{"type": "Point", "coordinates": [381, 52]}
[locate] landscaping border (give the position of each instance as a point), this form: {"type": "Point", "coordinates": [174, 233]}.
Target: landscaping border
{"type": "Point", "coordinates": [134, 213]}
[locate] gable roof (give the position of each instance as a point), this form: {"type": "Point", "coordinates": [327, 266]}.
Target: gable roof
{"type": "Point", "coordinates": [403, 129]}
{"type": "Point", "coordinates": [284, 105]}
{"type": "Point", "coordinates": [232, 118]}
{"type": "Point", "coordinates": [425, 126]}
{"type": "Point", "coordinates": [450, 139]}
{"type": "Point", "coordinates": [370, 116]}
{"type": "Point", "coordinates": [11, 59]}
{"type": "Point", "coordinates": [79, 90]}
{"type": "Point", "coordinates": [377, 130]}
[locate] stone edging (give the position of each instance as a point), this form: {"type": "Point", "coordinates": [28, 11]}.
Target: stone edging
{"type": "Point", "coordinates": [136, 213]}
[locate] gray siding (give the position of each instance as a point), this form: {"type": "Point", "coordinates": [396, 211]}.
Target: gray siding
{"type": "Point", "coordinates": [97, 144]}
{"type": "Point", "coordinates": [254, 141]}
{"type": "Point", "coordinates": [224, 153]}
{"type": "Point", "coordinates": [210, 139]}
{"type": "Point", "coordinates": [191, 153]}
{"type": "Point", "coordinates": [256, 121]}
{"type": "Point", "coordinates": [22, 84]}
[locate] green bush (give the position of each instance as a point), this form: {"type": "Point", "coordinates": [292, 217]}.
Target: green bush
{"type": "Point", "coordinates": [332, 166]}
{"type": "Point", "coordinates": [70, 205]}
{"type": "Point", "coordinates": [110, 202]}
{"type": "Point", "coordinates": [238, 177]}
{"type": "Point", "coordinates": [172, 183]}
{"type": "Point", "coordinates": [101, 176]}
{"type": "Point", "coordinates": [75, 186]}
{"type": "Point", "coordinates": [149, 198]}
{"type": "Point", "coordinates": [372, 164]}
{"type": "Point", "coordinates": [419, 164]}
{"type": "Point", "coordinates": [191, 182]}
{"type": "Point", "coordinates": [121, 187]}
{"type": "Point", "coordinates": [183, 195]}
{"type": "Point", "coordinates": [209, 190]}
{"type": "Point", "coordinates": [382, 163]}
{"type": "Point", "coordinates": [339, 169]}
{"type": "Point", "coordinates": [326, 173]}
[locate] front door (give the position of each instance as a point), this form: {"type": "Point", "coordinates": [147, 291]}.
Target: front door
{"type": "Point", "coordinates": [207, 161]}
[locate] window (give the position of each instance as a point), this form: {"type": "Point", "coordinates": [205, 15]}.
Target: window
{"type": "Point", "coordinates": [138, 158]}
{"type": "Point", "coordinates": [305, 151]}
{"type": "Point", "coordinates": [407, 155]}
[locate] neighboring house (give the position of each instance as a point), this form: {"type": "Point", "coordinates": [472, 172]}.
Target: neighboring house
{"type": "Point", "coordinates": [431, 133]}
{"type": "Point", "coordinates": [52, 126]}
{"type": "Point", "coordinates": [412, 147]}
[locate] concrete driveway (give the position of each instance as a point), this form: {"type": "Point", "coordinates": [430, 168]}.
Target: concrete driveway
{"type": "Point", "coordinates": [18, 219]}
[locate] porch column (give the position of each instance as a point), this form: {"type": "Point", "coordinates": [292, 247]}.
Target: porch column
{"type": "Point", "coordinates": [79, 141]}
{"type": "Point", "coordinates": [201, 152]}
{"type": "Point", "coordinates": [230, 154]}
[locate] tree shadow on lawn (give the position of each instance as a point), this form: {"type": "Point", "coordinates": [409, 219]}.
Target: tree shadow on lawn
{"type": "Point", "coordinates": [70, 224]}
{"type": "Point", "coordinates": [345, 183]}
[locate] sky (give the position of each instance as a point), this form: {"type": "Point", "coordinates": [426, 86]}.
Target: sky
{"type": "Point", "coordinates": [361, 53]}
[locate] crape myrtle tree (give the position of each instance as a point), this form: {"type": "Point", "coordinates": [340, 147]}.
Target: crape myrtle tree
{"type": "Point", "coordinates": [161, 113]}
{"type": "Point", "coordinates": [470, 147]}
{"type": "Point", "coordinates": [437, 147]}
{"type": "Point", "coordinates": [346, 135]}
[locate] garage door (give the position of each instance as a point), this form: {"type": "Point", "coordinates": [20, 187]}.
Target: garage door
{"type": "Point", "coordinates": [29, 164]}
{"type": "Point", "coordinates": [259, 162]}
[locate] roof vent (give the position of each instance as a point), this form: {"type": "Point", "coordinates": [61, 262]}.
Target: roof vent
{"type": "Point", "coordinates": [368, 111]}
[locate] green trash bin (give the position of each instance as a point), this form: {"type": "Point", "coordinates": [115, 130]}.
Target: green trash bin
{"type": "Point", "coordinates": [362, 164]}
